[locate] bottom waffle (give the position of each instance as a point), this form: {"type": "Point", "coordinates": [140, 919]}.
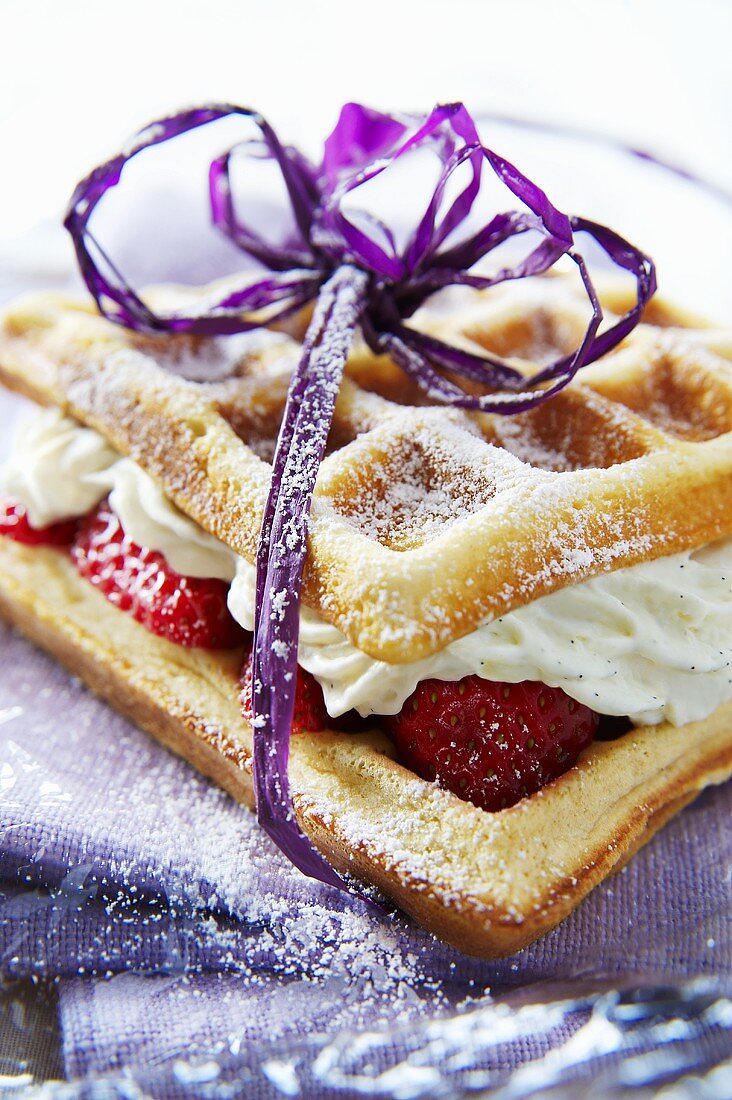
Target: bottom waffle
{"type": "Point", "coordinates": [489, 884]}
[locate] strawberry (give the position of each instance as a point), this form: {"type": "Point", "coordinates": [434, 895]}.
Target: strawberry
{"type": "Point", "coordinates": [491, 743]}
{"type": "Point", "coordinates": [15, 524]}
{"type": "Point", "coordinates": [309, 714]}
{"type": "Point", "coordinates": [190, 611]}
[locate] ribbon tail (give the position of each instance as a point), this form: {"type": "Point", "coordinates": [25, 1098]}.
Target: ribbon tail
{"type": "Point", "coordinates": [281, 558]}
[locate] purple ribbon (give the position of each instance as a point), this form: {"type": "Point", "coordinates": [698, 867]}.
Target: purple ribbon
{"type": "Point", "coordinates": [351, 264]}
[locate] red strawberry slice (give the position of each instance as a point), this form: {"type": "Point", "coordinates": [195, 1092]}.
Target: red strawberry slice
{"type": "Point", "coordinates": [191, 611]}
{"type": "Point", "coordinates": [15, 524]}
{"type": "Point", "coordinates": [491, 743]}
{"type": "Point", "coordinates": [309, 714]}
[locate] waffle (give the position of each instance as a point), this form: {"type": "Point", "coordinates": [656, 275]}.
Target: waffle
{"type": "Point", "coordinates": [630, 463]}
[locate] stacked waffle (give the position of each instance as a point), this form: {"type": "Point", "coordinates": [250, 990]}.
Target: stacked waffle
{"type": "Point", "coordinates": [427, 523]}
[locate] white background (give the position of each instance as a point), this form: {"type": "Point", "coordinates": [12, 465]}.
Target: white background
{"type": "Point", "coordinates": [78, 76]}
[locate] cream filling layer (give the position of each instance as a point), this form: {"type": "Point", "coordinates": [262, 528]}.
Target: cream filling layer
{"type": "Point", "coordinates": [653, 641]}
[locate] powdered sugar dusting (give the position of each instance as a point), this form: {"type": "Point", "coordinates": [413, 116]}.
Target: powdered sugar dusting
{"type": "Point", "coordinates": [431, 476]}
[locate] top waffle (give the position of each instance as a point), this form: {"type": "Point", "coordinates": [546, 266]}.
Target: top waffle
{"type": "Point", "coordinates": [426, 521]}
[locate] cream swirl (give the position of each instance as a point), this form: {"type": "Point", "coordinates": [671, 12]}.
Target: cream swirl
{"type": "Point", "coordinates": [53, 467]}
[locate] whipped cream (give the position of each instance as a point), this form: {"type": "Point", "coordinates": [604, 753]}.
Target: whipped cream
{"type": "Point", "coordinates": [152, 520]}
{"type": "Point", "coordinates": [53, 466]}
{"type": "Point", "coordinates": [61, 470]}
{"type": "Point", "coordinates": [653, 641]}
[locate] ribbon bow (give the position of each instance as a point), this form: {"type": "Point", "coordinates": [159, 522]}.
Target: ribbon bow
{"type": "Point", "coordinates": [350, 263]}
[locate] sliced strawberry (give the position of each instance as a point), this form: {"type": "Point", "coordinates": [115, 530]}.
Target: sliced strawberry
{"type": "Point", "coordinates": [309, 714]}
{"type": "Point", "coordinates": [15, 524]}
{"type": "Point", "coordinates": [491, 743]}
{"type": "Point", "coordinates": [191, 611]}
